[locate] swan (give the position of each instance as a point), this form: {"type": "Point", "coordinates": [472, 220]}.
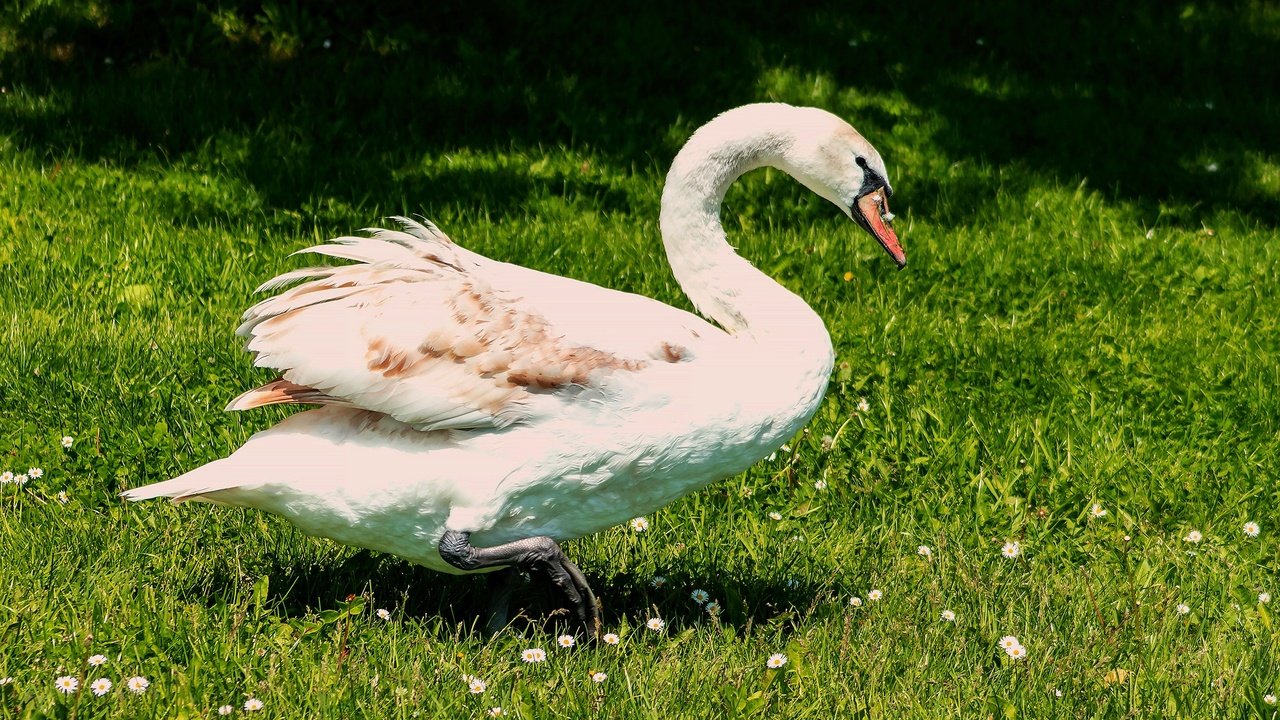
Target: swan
{"type": "Point", "coordinates": [474, 413]}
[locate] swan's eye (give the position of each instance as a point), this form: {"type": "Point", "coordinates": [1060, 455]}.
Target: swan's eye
{"type": "Point", "coordinates": [862, 162]}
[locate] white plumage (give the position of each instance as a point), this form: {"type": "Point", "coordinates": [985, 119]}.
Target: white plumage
{"type": "Point", "coordinates": [462, 393]}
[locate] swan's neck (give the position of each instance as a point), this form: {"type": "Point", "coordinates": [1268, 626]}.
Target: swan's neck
{"type": "Point", "coordinates": [722, 285]}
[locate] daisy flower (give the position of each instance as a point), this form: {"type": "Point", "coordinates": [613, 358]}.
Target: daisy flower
{"type": "Point", "coordinates": [495, 712]}
{"type": "Point", "coordinates": [855, 601]}
{"type": "Point", "coordinates": [533, 655]}
{"type": "Point", "coordinates": [383, 614]}
{"type": "Point", "coordinates": [565, 641]}
{"type": "Point", "coordinates": [252, 705]}
{"type": "Point", "coordinates": [639, 524]}
{"type": "Point", "coordinates": [655, 624]}
{"type": "Point", "coordinates": [35, 473]}
{"type": "Point", "coordinates": [1017, 652]}
{"type": "Point", "coordinates": [62, 497]}
{"type": "Point", "coordinates": [713, 608]}
{"type": "Point", "coordinates": [820, 485]}
{"type": "Point", "coordinates": [1182, 609]}
{"type": "Point", "coordinates": [612, 639]}
{"type": "Point", "coordinates": [1009, 641]}
{"type": "Point", "coordinates": [100, 687]}
{"type": "Point", "coordinates": [20, 479]}
{"type": "Point", "coordinates": [98, 660]}
{"type": "Point", "coordinates": [924, 551]}
{"type": "Point", "coordinates": [1264, 597]}
{"type": "Point", "coordinates": [67, 684]}
{"type": "Point", "coordinates": [137, 684]}
{"type": "Point", "coordinates": [1097, 511]}
{"type": "Point", "coordinates": [700, 596]}
{"type": "Point", "coordinates": [1011, 549]}
{"type": "Point", "coordinates": [226, 710]}
{"type": "Point", "coordinates": [67, 441]}
{"type": "Point", "coordinates": [775, 515]}
{"type": "Point", "coordinates": [948, 615]}
{"type": "Point", "coordinates": [874, 595]}
{"type": "Point", "coordinates": [599, 677]}
{"type": "Point", "coordinates": [1194, 536]}
{"type": "Point", "coordinates": [6, 477]}
{"type": "Point", "coordinates": [1269, 699]}
{"type": "Point", "coordinates": [863, 405]}
{"type": "Point", "coordinates": [658, 581]}
{"type": "Point", "coordinates": [476, 685]}
{"type": "Point", "coordinates": [776, 661]}
{"type": "Point", "coordinates": [1251, 529]}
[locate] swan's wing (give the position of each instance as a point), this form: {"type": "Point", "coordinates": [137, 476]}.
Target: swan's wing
{"type": "Point", "coordinates": [439, 337]}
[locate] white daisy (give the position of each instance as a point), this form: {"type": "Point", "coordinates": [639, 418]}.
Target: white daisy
{"type": "Point", "coordinates": [820, 485]}
{"type": "Point", "coordinates": [226, 710]}
{"type": "Point", "coordinates": [67, 441]}
{"type": "Point", "coordinates": [252, 705]}
{"type": "Point", "coordinates": [67, 684]}
{"type": "Point", "coordinates": [1057, 692]}
{"type": "Point", "coordinates": [98, 660]}
{"type": "Point", "coordinates": [565, 641]}
{"type": "Point", "coordinates": [35, 473]}
{"type": "Point", "coordinates": [1016, 652]}
{"type": "Point", "coordinates": [612, 639]}
{"type": "Point", "coordinates": [533, 655]}
{"type": "Point", "coordinates": [599, 677]}
{"type": "Point", "coordinates": [100, 687]}
{"type": "Point", "coordinates": [495, 712]}
{"type": "Point", "coordinates": [1194, 536]}
{"type": "Point", "coordinates": [874, 595]}
{"type": "Point", "coordinates": [1264, 597]}
{"type": "Point", "coordinates": [20, 479]}
{"type": "Point", "coordinates": [1009, 641]}
{"type": "Point", "coordinates": [700, 596]}
{"type": "Point", "coordinates": [776, 661]}
{"type": "Point", "coordinates": [383, 614]}
{"type": "Point", "coordinates": [1097, 511]}
{"type": "Point", "coordinates": [1011, 549]}
{"type": "Point", "coordinates": [137, 684]}
{"type": "Point", "coordinates": [863, 405]}
{"type": "Point", "coordinates": [1182, 609]}
{"type": "Point", "coordinates": [655, 624]}
{"type": "Point", "coordinates": [924, 551]}
{"type": "Point", "coordinates": [713, 608]}
{"type": "Point", "coordinates": [855, 601]}
{"type": "Point", "coordinates": [775, 515]}
{"type": "Point", "coordinates": [62, 498]}
{"type": "Point", "coordinates": [658, 581]}
{"type": "Point", "coordinates": [6, 477]}
{"type": "Point", "coordinates": [639, 524]}
{"type": "Point", "coordinates": [1269, 699]}
{"type": "Point", "coordinates": [948, 615]}
{"type": "Point", "coordinates": [1251, 529]}
{"type": "Point", "coordinates": [476, 685]}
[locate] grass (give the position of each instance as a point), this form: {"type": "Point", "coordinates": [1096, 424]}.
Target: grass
{"type": "Point", "coordinates": [1089, 203]}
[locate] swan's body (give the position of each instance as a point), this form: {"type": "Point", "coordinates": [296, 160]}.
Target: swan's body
{"type": "Point", "coordinates": [465, 394]}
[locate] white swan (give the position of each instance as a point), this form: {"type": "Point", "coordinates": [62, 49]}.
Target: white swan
{"type": "Point", "coordinates": [475, 412]}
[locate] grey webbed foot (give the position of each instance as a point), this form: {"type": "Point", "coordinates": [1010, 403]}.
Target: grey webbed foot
{"type": "Point", "coordinates": [540, 554]}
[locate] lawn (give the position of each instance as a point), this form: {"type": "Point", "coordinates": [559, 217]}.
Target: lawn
{"type": "Point", "coordinates": [1082, 357]}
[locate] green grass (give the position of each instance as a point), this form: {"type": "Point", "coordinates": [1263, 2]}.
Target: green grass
{"type": "Point", "coordinates": [1090, 316]}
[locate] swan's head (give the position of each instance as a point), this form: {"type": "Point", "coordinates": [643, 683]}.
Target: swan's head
{"type": "Point", "coordinates": [833, 160]}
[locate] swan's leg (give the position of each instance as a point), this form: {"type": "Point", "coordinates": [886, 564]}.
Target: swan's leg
{"type": "Point", "coordinates": [535, 553]}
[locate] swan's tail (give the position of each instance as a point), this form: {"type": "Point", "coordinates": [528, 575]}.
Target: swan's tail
{"type": "Point", "coordinates": [194, 485]}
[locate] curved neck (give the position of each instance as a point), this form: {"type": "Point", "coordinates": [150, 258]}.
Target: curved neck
{"type": "Point", "coordinates": [722, 285]}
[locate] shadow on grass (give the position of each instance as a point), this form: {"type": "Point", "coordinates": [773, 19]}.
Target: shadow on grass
{"type": "Point", "coordinates": [536, 605]}
{"type": "Point", "coordinates": [1155, 102]}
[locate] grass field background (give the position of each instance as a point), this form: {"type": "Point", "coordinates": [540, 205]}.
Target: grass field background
{"type": "Point", "coordinates": [1090, 206]}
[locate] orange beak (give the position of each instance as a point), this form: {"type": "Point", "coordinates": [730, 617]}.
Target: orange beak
{"type": "Point", "coordinates": [869, 213]}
